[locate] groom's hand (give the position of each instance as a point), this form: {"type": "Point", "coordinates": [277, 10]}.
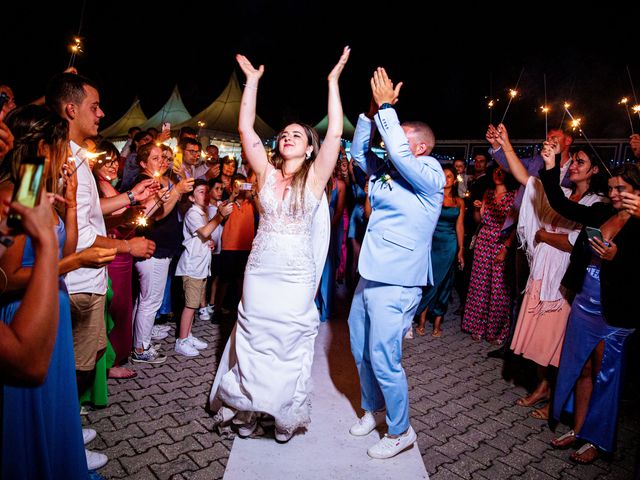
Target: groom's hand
{"type": "Point", "coordinates": [382, 88]}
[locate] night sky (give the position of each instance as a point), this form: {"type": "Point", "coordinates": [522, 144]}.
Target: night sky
{"type": "Point", "coordinates": [446, 60]}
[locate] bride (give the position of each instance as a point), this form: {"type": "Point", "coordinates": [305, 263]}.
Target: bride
{"type": "Point", "coordinates": [265, 369]}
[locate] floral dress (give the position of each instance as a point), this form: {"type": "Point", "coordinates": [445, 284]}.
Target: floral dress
{"type": "Point", "coordinates": [487, 309]}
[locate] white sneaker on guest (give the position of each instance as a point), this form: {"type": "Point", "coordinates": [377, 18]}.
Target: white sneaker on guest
{"type": "Point", "coordinates": [197, 343]}
{"type": "Point", "coordinates": [95, 460]}
{"type": "Point", "coordinates": [203, 313]}
{"type": "Point", "coordinates": [367, 423]}
{"type": "Point", "coordinates": [389, 447]}
{"type": "Point", "coordinates": [88, 434]}
{"type": "Point", "coordinates": [184, 347]}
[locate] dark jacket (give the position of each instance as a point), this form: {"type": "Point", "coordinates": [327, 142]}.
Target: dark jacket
{"type": "Point", "coordinates": [619, 284]}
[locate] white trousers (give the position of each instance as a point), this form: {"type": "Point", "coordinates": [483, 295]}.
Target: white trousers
{"type": "Point", "coordinates": [152, 274]}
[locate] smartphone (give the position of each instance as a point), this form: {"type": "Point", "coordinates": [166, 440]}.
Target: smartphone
{"type": "Point", "coordinates": [166, 126]}
{"type": "Point", "coordinates": [245, 186]}
{"type": "Point", "coordinates": [4, 98]}
{"type": "Point", "coordinates": [27, 191]}
{"type": "Point", "coordinates": [594, 233]}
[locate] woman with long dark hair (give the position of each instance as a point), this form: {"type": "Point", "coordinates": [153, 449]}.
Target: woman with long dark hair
{"type": "Point", "coordinates": [266, 366]}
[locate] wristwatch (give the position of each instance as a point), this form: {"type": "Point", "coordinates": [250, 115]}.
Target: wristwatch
{"type": "Point", "coordinates": [132, 198]}
{"type": "Point", "coordinates": [385, 105]}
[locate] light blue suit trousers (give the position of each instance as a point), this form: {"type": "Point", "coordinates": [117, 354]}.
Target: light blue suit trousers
{"type": "Point", "coordinates": [380, 316]}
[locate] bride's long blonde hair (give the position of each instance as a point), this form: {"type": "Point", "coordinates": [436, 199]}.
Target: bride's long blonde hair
{"type": "Point", "coordinates": [299, 178]}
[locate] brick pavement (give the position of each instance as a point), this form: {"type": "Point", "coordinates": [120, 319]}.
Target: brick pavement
{"type": "Point", "coordinates": [461, 407]}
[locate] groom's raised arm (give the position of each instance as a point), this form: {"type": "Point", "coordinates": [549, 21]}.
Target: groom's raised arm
{"type": "Point", "coordinates": [425, 175]}
{"type": "Point", "coordinates": [360, 150]}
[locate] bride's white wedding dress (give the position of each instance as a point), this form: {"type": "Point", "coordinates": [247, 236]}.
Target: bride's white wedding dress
{"type": "Point", "coordinates": [266, 364]}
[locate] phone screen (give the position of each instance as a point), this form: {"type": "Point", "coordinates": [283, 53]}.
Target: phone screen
{"type": "Point", "coordinates": [27, 191]}
{"type": "Point", "coordinates": [594, 232]}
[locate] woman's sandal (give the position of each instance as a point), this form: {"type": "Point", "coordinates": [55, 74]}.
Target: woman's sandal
{"type": "Point", "coordinates": [436, 333]}
{"type": "Point", "coordinates": [585, 455]}
{"type": "Point", "coordinates": [523, 402]}
{"type": "Point", "coordinates": [564, 441]}
{"type": "Point", "coordinates": [420, 331]}
{"type": "Point", "coordinates": [540, 413]}
{"type": "Point", "coordinates": [476, 338]}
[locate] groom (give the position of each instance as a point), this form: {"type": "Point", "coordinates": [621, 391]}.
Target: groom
{"type": "Point", "coordinates": [395, 261]}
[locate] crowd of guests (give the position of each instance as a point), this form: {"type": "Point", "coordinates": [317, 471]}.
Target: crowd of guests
{"type": "Point", "coordinates": [541, 250]}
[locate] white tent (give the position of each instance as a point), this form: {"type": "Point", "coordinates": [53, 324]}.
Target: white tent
{"type": "Point", "coordinates": [173, 111]}
{"type": "Point", "coordinates": [220, 119]}
{"type": "Point", "coordinates": [134, 117]}
{"type": "Point", "coordinates": [347, 130]}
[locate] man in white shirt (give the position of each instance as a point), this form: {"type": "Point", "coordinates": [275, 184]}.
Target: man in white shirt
{"type": "Point", "coordinates": [76, 99]}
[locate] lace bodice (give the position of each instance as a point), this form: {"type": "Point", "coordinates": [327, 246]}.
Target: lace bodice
{"type": "Point", "coordinates": [278, 216]}
{"type": "Point", "coordinates": [282, 232]}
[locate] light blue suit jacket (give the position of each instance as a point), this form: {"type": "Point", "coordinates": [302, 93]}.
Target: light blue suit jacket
{"type": "Point", "coordinates": [396, 249]}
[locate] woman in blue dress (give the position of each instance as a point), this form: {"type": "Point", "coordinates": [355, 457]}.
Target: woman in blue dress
{"type": "Point", "coordinates": [41, 429]}
{"type": "Point", "coordinates": [447, 245]}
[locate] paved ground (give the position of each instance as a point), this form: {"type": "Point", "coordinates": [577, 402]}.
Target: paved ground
{"type": "Point", "coordinates": [461, 406]}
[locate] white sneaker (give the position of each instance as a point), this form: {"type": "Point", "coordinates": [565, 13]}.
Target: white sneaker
{"type": "Point", "coordinates": [197, 343]}
{"type": "Point", "coordinates": [246, 430]}
{"type": "Point", "coordinates": [203, 313]}
{"type": "Point", "coordinates": [184, 347]}
{"type": "Point", "coordinates": [163, 327]}
{"type": "Point", "coordinates": [409, 334]}
{"type": "Point", "coordinates": [158, 334]}
{"type": "Point", "coordinates": [282, 437]}
{"type": "Point", "coordinates": [88, 434]}
{"type": "Point", "coordinates": [95, 460]}
{"type": "Point", "coordinates": [389, 447]}
{"type": "Point", "coordinates": [210, 308]}
{"type": "Point", "coordinates": [367, 423]}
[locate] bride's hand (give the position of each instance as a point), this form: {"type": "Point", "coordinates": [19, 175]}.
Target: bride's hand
{"type": "Point", "coordinates": [337, 70]}
{"type": "Point", "coordinates": [249, 70]}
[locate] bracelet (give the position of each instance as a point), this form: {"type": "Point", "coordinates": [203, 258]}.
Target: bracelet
{"type": "Point", "coordinates": [128, 246]}
{"type": "Point", "coordinates": [506, 151]}
{"type": "Point", "coordinates": [249, 86]}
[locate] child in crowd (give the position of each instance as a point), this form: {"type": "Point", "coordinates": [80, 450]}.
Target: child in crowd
{"type": "Point", "coordinates": [195, 263]}
{"type": "Point", "coordinates": [216, 190]}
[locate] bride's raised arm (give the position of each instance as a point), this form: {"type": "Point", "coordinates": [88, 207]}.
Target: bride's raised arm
{"type": "Point", "coordinates": [252, 145]}
{"type": "Point", "coordinates": [328, 155]}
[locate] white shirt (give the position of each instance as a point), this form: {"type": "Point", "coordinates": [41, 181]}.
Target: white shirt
{"type": "Point", "coordinates": [195, 261]}
{"type": "Point", "coordinates": [216, 236]}
{"type": "Point", "coordinates": [90, 225]}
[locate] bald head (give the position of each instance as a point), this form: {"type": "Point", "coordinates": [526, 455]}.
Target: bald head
{"type": "Point", "coordinates": [421, 137]}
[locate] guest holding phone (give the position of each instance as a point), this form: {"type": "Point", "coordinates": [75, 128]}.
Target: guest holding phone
{"type": "Point", "coordinates": [54, 434]}
{"type": "Point", "coordinates": [604, 276]}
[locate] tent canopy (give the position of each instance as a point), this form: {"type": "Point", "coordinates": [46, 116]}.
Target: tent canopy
{"type": "Point", "coordinates": [347, 130]}
{"type": "Point", "coordinates": [222, 115]}
{"type": "Point", "coordinates": [173, 111]}
{"type": "Point", "coordinates": [134, 117]}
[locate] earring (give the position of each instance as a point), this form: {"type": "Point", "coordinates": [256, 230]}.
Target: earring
{"type": "Point", "coordinates": [308, 155]}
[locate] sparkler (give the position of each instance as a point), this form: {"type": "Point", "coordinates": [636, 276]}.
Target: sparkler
{"type": "Point", "coordinates": [624, 101]}
{"type": "Point", "coordinates": [87, 156]}
{"type": "Point", "coordinates": [545, 107]}
{"type": "Point", "coordinates": [75, 48]}
{"type": "Point", "coordinates": [575, 123]}
{"type": "Point", "coordinates": [513, 92]}
{"type": "Point", "coordinates": [491, 105]}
